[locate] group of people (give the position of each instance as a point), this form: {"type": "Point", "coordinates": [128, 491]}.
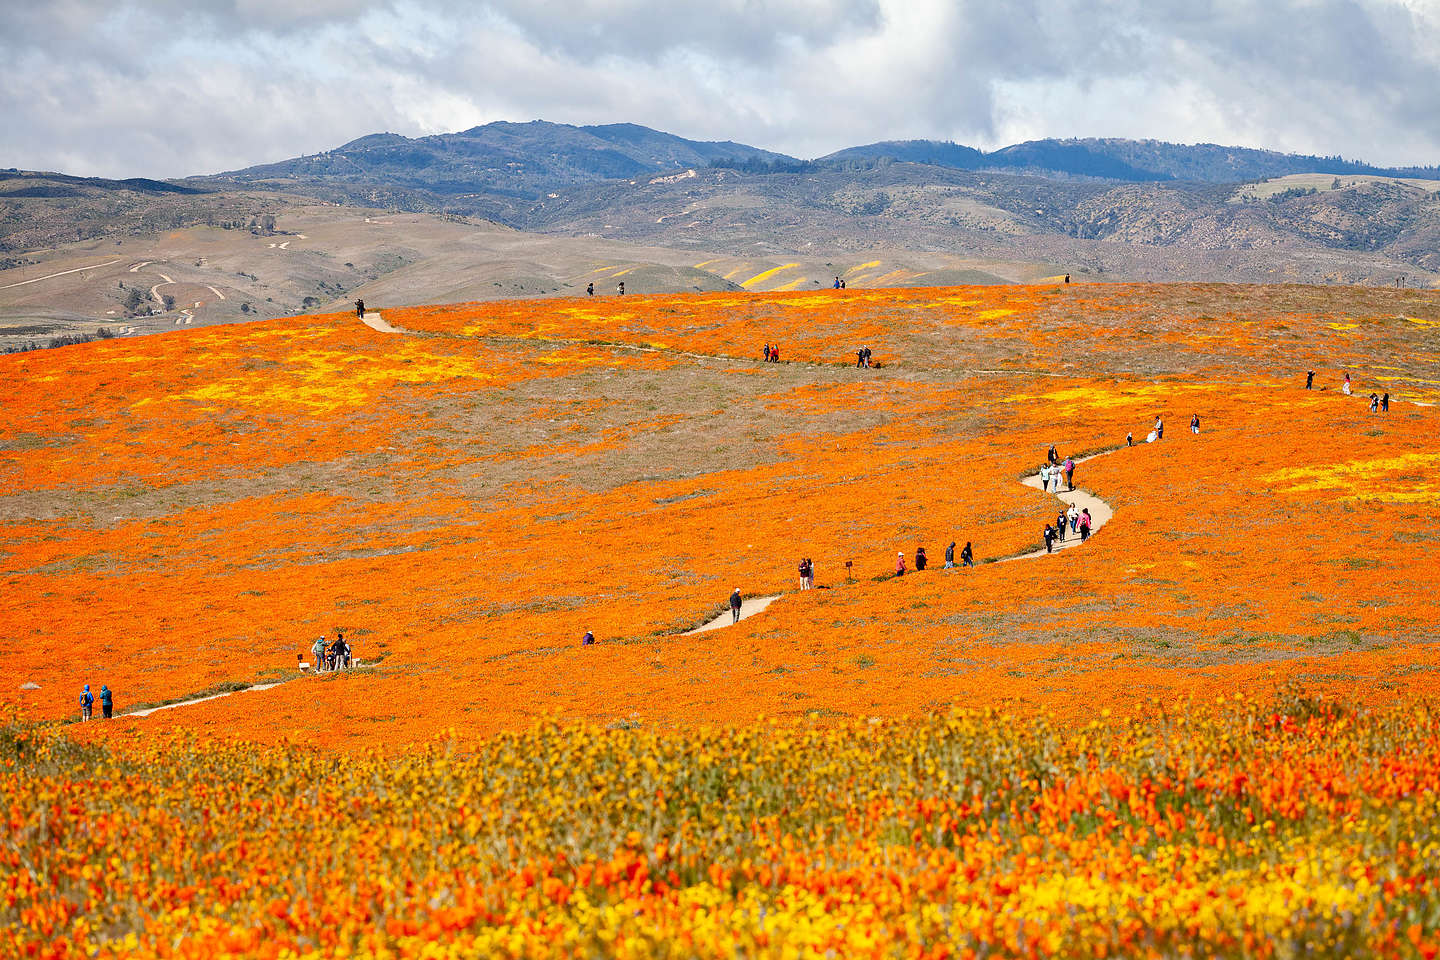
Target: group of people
{"type": "Point", "coordinates": [772, 354]}
{"type": "Point", "coordinates": [862, 358]}
{"type": "Point", "coordinates": [807, 574]}
{"type": "Point", "coordinates": [619, 289]}
{"type": "Point", "coordinates": [1053, 471]}
{"type": "Point", "coordinates": [839, 283]}
{"type": "Point", "coordinates": [332, 656]}
{"type": "Point", "coordinates": [967, 558]}
{"type": "Point", "coordinates": [87, 703]}
{"type": "Point", "coordinates": [1379, 402]}
{"type": "Point", "coordinates": [1078, 520]}
{"type": "Point", "coordinates": [360, 309]}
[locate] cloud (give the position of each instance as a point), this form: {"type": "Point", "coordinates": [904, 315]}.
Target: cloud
{"type": "Point", "coordinates": [174, 87]}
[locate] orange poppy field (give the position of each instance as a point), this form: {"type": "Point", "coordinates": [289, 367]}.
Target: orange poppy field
{"type": "Point", "coordinates": [1208, 730]}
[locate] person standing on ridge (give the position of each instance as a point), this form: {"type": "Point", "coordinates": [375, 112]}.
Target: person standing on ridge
{"type": "Point", "coordinates": [1385, 403]}
{"type": "Point", "coordinates": [735, 603]}
{"type": "Point", "coordinates": [107, 702]}
{"type": "Point", "coordinates": [590, 289]}
{"type": "Point", "coordinates": [1309, 379]}
{"type": "Point", "coordinates": [620, 288]}
{"type": "Point", "coordinates": [950, 556]}
{"type": "Point", "coordinates": [87, 702]}
{"type": "Point", "coordinates": [360, 309]}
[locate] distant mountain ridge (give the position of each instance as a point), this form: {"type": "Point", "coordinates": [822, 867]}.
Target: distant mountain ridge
{"type": "Point", "coordinates": [1134, 161]}
{"type": "Point", "coordinates": [512, 159]}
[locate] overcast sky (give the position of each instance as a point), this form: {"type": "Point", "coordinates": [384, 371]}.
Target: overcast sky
{"type": "Point", "coordinates": [176, 87]}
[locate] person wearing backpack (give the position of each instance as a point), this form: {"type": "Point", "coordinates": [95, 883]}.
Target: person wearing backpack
{"type": "Point", "coordinates": [87, 702]}
{"type": "Point", "coordinates": [107, 702]}
{"type": "Point", "coordinates": [967, 556]}
{"type": "Point", "coordinates": [950, 556]}
{"type": "Point", "coordinates": [1085, 525]}
{"type": "Point", "coordinates": [318, 648]}
{"type": "Point", "coordinates": [735, 603]}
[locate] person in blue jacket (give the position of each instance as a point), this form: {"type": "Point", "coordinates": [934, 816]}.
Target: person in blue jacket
{"type": "Point", "coordinates": [107, 702]}
{"type": "Point", "coordinates": [87, 703]}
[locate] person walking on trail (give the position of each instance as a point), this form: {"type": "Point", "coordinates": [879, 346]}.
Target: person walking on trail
{"type": "Point", "coordinates": [900, 564]}
{"type": "Point", "coordinates": [967, 556]}
{"type": "Point", "coordinates": [1195, 423]}
{"type": "Point", "coordinates": [775, 354]}
{"type": "Point", "coordinates": [318, 648]}
{"type": "Point", "coordinates": [1085, 524]}
{"type": "Point", "coordinates": [1053, 456]}
{"type": "Point", "coordinates": [920, 559]}
{"type": "Point", "coordinates": [107, 702]}
{"type": "Point", "coordinates": [360, 309]}
{"type": "Point", "coordinates": [735, 603]}
{"type": "Point", "coordinates": [1049, 538]}
{"type": "Point", "coordinates": [589, 638]}
{"type": "Point", "coordinates": [1345, 387]}
{"type": "Point", "coordinates": [950, 556]}
{"type": "Point", "coordinates": [1045, 477]}
{"type": "Point", "coordinates": [1385, 403]}
{"type": "Point", "coordinates": [1060, 526]}
{"type": "Point", "coordinates": [1074, 516]}
{"type": "Point", "coordinates": [1129, 439]}
{"type": "Point", "coordinates": [1069, 473]}
{"type": "Point", "coordinates": [87, 702]}
{"type": "Point", "coordinates": [1309, 379]}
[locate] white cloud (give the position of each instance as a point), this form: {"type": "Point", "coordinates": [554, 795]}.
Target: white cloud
{"type": "Point", "coordinates": [173, 87]}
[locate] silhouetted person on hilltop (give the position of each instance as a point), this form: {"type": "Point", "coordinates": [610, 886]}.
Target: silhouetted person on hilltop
{"type": "Point", "coordinates": [590, 289]}
{"type": "Point", "coordinates": [1385, 403]}
{"type": "Point", "coordinates": [620, 288]}
{"type": "Point", "coordinates": [1309, 379]}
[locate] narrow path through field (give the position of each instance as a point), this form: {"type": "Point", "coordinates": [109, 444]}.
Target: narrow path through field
{"type": "Point", "coordinates": [189, 703]}
{"type": "Point", "coordinates": [1100, 513]}
{"type": "Point", "coordinates": [62, 273]}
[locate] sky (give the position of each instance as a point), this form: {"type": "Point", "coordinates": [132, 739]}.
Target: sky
{"type": "Point", "coordinates": [167, 88]}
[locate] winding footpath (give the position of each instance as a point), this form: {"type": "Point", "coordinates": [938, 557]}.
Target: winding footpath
{"type": "Point", "coordinates": [1100, 514]}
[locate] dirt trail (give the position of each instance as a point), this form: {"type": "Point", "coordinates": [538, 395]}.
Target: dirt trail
{"type": "Point", "coordinates": [374, 321]}
{"type": "Point", "coordinates": [749, 606]}
{"type": "Point", "coordinates": [187, 703]}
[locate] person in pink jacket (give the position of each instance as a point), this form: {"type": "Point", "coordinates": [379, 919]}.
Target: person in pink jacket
{"type": "Point", "coordinates": [900, 564]}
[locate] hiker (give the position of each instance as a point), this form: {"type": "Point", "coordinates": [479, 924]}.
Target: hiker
{"type": "Point", "coordinates": [1074, 515]}
{"type": "Point", "coordinates": [1345, 387]}
{"type": "Point", "coordinates": [107, 702]}
{"type": "Point", "coordinates": [1085, 523]}
{"type": "Point", "coordinates": [1049, 539]}
{"type": "Point", "coordinates": [337, 653]}
{"type": "Point", "coordinates": [87, 702]}
{"type": "Point", "coordinates": [950, 556]}
{"type": "Point", "coordinates": [589, 637]}
{"type": "Point", "coordinates": [360, 309]}
{"type": "Point", "coordinates": [1067, 278]}
{"type": "Point", "coordinates": [1052, 455]}
{"type": "Point", "coordinates": [767, 352]}
{"type": "Point", "coordinates": [920, 558]}
{"type": "Point", "coordinates": [775, 354]}
{"type": "Point", "coordinates": [859, 358]}
{"type": "Point", "coordinates": [837, 283]}
{"type": "Point", "coordinates": [900, 564]}
{"type": "Point", "coordinates": [590, 289]}
{"type": "Point", "coordinates": [1060, 526]}
{"type": "Point", "coordinates": [1374, 403]}
{"type": "Point", "coordinates": [809, 574]}
{"type": "Point", "coordinates": [868, 355]}
{"type": "Point", "coordinates": [1159, 428]}
{"type": "Point", "coordinates": [804, 579]}
{"type": "Point", "coordinates": [1309, 379]}
{"type": "Point", "coordinates": [1385, 403]}
{"type": "Point", "coordinates": [1070, 473]}
{"type": "Point", "coordinates": [842, 283]}
{"type": "Point", "coordinates": [1045, 477]}
{"type": "Point", "coordinates": [735, 603]}
{"type": "Point", "coordinates": [967, 556]}
{"type": "Point", "coordinates": [620, 288]}
{"type": "Point", "coordinates": [318, 648]}
{"type": "Point", "coordinates": [1195, 423]}
{"type": "Point", "coordinates": [1129, 439]}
